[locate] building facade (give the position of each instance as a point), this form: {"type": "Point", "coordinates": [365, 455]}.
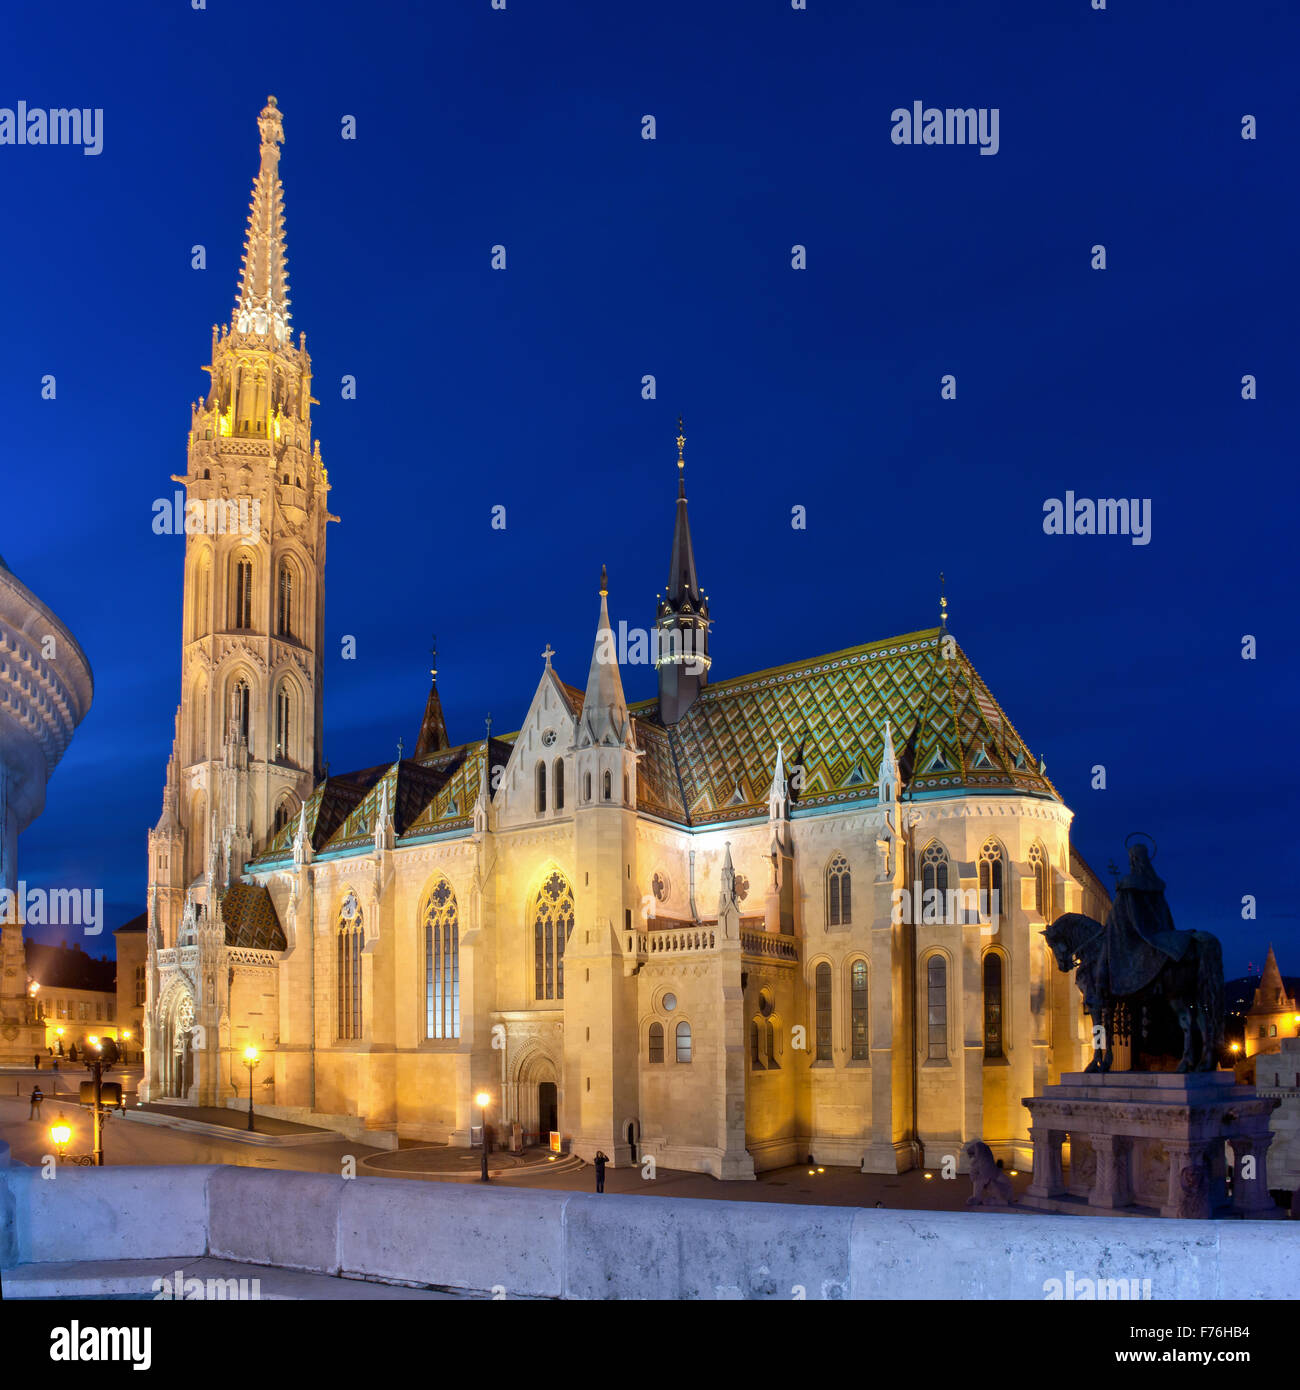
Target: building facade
{"type": "Point", "coordinates": [787, 913]}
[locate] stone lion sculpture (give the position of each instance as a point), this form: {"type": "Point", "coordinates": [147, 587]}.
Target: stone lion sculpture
{"type": "Point", "coordinates": [1194, 1200]}
{"type": "Point", "coordinates": [990, 1186]}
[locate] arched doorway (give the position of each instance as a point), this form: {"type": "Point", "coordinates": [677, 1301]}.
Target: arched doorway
{"type": "Point", "coordinates": [177, 1060]}
{"type": "Point", "coordinates": [548, 1110]}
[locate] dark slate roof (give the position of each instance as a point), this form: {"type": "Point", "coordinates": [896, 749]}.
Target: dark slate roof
{"type": "Point", "coordinates": [139, 923]}
{"type": "Point", "coordinates": [251, 919]}
{"type": "Point", "coordinates": [69, 967]}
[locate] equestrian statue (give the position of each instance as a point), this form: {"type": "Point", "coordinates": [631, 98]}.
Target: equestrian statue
{"type": "Point", "coordinates": [1138, 957]}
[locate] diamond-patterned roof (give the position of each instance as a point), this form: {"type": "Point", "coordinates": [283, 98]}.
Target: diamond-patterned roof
{"type": "Point", "coordinates": [250, 918]}
{"type": "Point", "coordinates": [715, 765]}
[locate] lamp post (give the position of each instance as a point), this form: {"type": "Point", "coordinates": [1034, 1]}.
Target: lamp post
{"type": "Point", "coordinates": [482, 1100]}
{"type": "Point", "coordinates": [126, 1037]}
{"type": "Point", "coordinates": [61, 1133]}
{"type": "Point", "coordinates": [250, 1061]}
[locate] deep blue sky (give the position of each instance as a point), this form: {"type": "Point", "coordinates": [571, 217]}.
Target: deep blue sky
{"type": "Point", "coordinates": [672, 257]}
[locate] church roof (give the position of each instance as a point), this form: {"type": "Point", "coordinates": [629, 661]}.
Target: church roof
{"type": "Point", "coordinates": [68, 967]}
{"type": "Point", "coordinates": [251, 919]}
{"type": "Point", "coordinates": [1271, 994]}
{"type": "Point", "coordinates": [827, 715]}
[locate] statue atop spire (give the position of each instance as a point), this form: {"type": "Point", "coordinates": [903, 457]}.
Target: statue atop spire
{"type": "Point", "coordinates": [262, 304]}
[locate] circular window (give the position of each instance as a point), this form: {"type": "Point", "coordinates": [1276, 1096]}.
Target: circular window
{"type": "Point", "coordinates": [765, 1003]}
{"type": "Point", "coordinates": [548, 738]}
{"type": "Point", "coordinates": [742, 888]}
{"type": "Point", "coordinates": [668, 1003]}
{"type": "Point", "coordinates": [659, 887]}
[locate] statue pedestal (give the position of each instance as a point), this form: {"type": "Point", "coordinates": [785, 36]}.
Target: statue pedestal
{"type": "Point", "coordinates": [1150, 1144]}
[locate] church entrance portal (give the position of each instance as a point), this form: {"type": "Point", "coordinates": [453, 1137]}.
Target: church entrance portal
{"type": "Point", "coordinates": [548, 1109]}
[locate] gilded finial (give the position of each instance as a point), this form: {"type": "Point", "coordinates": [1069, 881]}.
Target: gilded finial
{"type": "Point", "coordinates": [943, 605]}
{"type": "Point", "coordinates": [681, 443]}
{"type": "Point", "coordinates": [433, 652]}
{"type": "Point", "coordinates": [604, 582]}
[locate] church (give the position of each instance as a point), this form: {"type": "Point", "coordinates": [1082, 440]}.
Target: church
{"type": "Point", "coordinates": [760, 917]}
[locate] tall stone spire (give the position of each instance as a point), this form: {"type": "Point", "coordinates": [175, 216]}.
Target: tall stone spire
{"type": "Point", "coordinates": [604, 709]}
{"type": "Point", "coordinates": [682, 622]}
{"type": "Point", "coordinates": [262, 304]}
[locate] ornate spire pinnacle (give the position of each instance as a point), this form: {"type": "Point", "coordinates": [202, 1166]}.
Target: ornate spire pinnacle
{"type": "Point", "coordinates": [943, 604]}
{"type": "Point", "coordinates": [681, 461]}
{"type": "Point", "coordinates": [682, 617]}
{"type": "Point", "coordinates": [604, 708]}
{"type": "Point", "coordinates": [262, 304]}
{"type": "Point", "coordinates": [604, 583]}
{"type": "Point", "coordinates": [433, 727]}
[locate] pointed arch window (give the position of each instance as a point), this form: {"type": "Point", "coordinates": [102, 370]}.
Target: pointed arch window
{"type": "Point", "coordinates": [239, 708]}
{"type": "Point", "coordinates": [769, 1038]}
{"type": "Point", "coordinates": [934, 870]}
{"type": "Point", "coordinates": [839, 884]}
{"type": "Point", "coordinates": [936, 981]}
{"type": "Point", "coordinates": [683, 1042]}
{"type": "Point", "coordinates": [349, 941]}
{"type": "Point", "coordinates": [202, 578]}
{"type": "Point", "coordinates": [283, 705]}
{"type": "Point", "coordinates": [284, 601]}
{"type": "Point", "coordinates": [283, 814]}
{"type": "Point", "coordinates": [1042, 881]}
{"type": "Point", "coordinates": [441, 963]}
{"type": "Point", "coordinates": [993, 1005]}
{"type": "Point", "coordinates": [755, 1046]}
{"type": "Point", "coordinates": [586, 786]}
{"type": "Point", "coordinates": [199, 721]}
{"type": "Point", "coordinates": [656, 1042]}
{"type": "Point", "coordinates": [822, 979]}
{"type": "Point", "coordinates": [541, 788]}
{"type": "Point", "coordinates": [607, 786]}
{"type": "Point", "coordinates": [990, 871]}
{"type": "Point", "coordinates": [557, 781]}
{"type": "Point", "coordinates": [243, 614]}
{"type": "Point", "coordinates": [860, 1043]}
{"type": "Point", "coordinates": [552, 923]}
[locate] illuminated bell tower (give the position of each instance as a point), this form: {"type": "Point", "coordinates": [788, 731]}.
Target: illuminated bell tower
{"type": "Point", "coordinates": [248, 731]}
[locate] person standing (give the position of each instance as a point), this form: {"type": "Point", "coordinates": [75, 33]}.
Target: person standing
{"type": "Point", "coordinates": [601, 1161]}
{"type": "Point", "coordinates": [36, 1097]}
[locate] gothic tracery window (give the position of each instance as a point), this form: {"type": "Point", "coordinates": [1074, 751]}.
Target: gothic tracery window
{"type": "Point", "coordinates": [822, 980]}
{"type": "Point", "coordinates": [442, 963]}
{"type": "Point", "coordinates": [934, 869]}
{"type": "Point", "coordinates": [993, 1005]}
{"type": "Point", "coordinates": [552, 922]}
{"type": "Point", "coordinates": [557, 782]}
{"type": "Point", "coordinates": [350, 939]}
{"type": "Point", "coordinates": [839, 906]}
{"type": "Point", "coordinates": [859, 1041]}
{"type": "Point", "coordinates": [284, 606]}
{"type": "Point", "coordinates": [991, 879]}
{"type": "Point", "coordinates": [243, 614]}
{"type": "Point", "coordinates": [239, 708]}
{"type": "Point", "coordinates": [936, 980]}
{"type": "Point", "coordinates": [1042, 883]}
{"type": "Point", "coordinates": [541, 787]}
{"type": "Point", "coordinates": [282, 710]}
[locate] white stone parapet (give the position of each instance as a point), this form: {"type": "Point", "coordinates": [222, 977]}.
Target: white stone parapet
{"type": "Point", "coordinates": [575, 1246]}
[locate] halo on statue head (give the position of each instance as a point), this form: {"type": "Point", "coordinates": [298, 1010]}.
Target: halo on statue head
{"type": "Point", "coordinates": [1151, 851]}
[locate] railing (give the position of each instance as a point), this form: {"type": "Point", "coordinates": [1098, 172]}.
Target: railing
{"type": "Point", "coordinates": [675, 940]}
{"type": "Point", "coordinates": [763, 943]}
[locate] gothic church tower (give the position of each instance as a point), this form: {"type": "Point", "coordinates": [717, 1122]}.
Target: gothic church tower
{"type": "Point", "coordinates": [248, 730]}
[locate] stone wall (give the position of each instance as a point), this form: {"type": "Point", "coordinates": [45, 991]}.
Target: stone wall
{"type": "Point", "coordinates": [566, 1245]}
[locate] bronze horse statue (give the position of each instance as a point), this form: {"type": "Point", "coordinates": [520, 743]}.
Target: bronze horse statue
{"type": "Point", "coordinates": [1138, 956]}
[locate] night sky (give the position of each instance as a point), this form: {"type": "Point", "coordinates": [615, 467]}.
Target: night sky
{"type": "Point", "coordinates": [817, 388]}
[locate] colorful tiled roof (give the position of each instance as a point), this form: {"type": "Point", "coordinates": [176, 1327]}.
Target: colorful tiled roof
{"type": "Point", "coordinates": [251, 919]}
{"type": "Point", "coordinates": [715, 765]}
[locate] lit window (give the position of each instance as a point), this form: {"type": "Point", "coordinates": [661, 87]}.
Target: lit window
{"type": "Point", "coordinates": [441, 964]}
{"type": "Point", "coordinates": [860, 1043]}
{"type": "Point", "coordinates": [993, 1005]}
{"type": "Point", "coordinates": [936, 973]}
{"type": "Point", "coordinates": [683, 1042]}
{"type": "Point", "coordinates": [656, 1042]}
{"type": "Point", "coordinates": [349, 939]}
{"type": "Point", "coordinates": [839, 907]}
{"type": "Point", "coordinates": [553, 915]}
{"type": "Point", "coordinates": [823, 1011]}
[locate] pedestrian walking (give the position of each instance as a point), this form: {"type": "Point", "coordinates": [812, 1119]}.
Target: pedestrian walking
{"type": "Point", "coordinates": [37, 1096]}
{"type": "Point", "coordinates": [36, 1057]}
{"type": "Point", "coordinates": [601, 1161]}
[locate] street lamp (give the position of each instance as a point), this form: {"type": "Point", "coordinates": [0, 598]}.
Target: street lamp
{"type": "Point", "coordinates": [250, 1061]}
{"type": "Point", "coordinates": [126, 1037]}
{"type": "Point", "coordinates": [482, 1100]}
{"type": "Point", "coordinates": [61, 1133]}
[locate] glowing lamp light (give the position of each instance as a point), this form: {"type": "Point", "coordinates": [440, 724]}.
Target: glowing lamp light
{"type": "Point", "coordinates": [250, 1054]}
{"type": "Point", "coordinates": [94, 1041]}
{"type": "Point", "coordinates": [61, 1134]}
{"type": "Point", "coordinates": [929, 1177]}
{"type": "Point", "coordinates": [1236, 1047]}
{"type": "Point", "coordinates": [482, 1100]}
{"type": "Point", "coordinates": [126, 1033]}
{"type": "Point", "coordinates": [821, 1170]}
{"type": "Point", "coordinates": [58, 1032]}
